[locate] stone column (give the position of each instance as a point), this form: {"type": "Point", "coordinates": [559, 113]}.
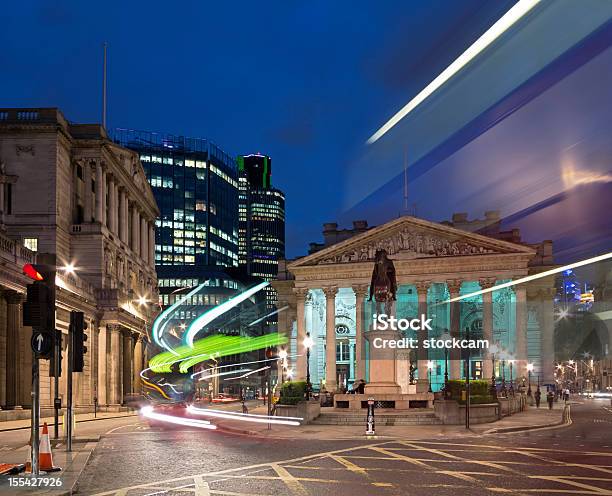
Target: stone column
{"type": "Point", "coordinates": [300, 366]}
{"type": "Point", "coordinates": [103, 370]}
{"type": "Point", "coordinates": [152, 244]}
{"type": "Point", "coordinates": [330, 338]}
{"type": "Point", "coordinates": [487, 326]}
{"type": "Point", "coordinates": [116, 209]}
{"type": "Point", "coordinates": [138, 357]}
{"type": "Point", "coordinates": [521, 330]}
{"type": "Point", "coordinates": [422, 385]}
{"type": "Point", "coordinates": [144, 245]}
{"type": "Point", "coordinates": [454, 285]}
{"type": "Point", "coordinates": [87, 197]}
{"type": "Point", "coordinates": [135, 230]}
{"type": "Point", "coordinates": [547, 331]}
{"type": "Point", "coordinates": [115, 366]}
{"type": "Point", "coordinates": [13, 351]}
{"type": "Point", "coordinates": [123, 234]}
{"type": "Point", "coordinates": [112, 205]}
{"type": "Point", "coordinates": [128, 361]}
{"type": "Point", "coordinates": [360, 291]}
{"type": "Point", "coordinates": [100, 194]}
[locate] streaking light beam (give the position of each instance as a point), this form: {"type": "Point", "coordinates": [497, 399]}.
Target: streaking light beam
{"type": "Point", "coordinates": [148, 412]}
{"type": "Point", "coordinates": [245, 417]}
{"type": "Point", "coordinates": [510, 18]}
{"type": "Point", "coordinates": [533, 277]}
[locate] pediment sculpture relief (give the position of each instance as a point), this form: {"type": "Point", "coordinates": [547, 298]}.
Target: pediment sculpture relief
{"type": "Point", "coordinates": [406, 240]}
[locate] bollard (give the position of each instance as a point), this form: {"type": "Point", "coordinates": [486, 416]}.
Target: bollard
{"type": "Point", "coordinates": [370, 428]}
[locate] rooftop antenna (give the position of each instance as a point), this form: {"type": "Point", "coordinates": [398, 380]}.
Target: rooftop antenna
{"type": "Point", "coordinates": [104, 90]}
{"type": "Point", "coordinates": [406, 179]}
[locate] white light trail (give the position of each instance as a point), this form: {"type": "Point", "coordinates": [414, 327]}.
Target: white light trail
{"type": "Point", "coordinates": [219, 310]}
{"type": "Point", "coordinates": [248, 373]}
{"type": "Point", "coordinates": [520, 9]}
{"type": "Point", "coordinates": [269, 315]}
{"type": "Point", "coordinates": [533, 277]}
{"type": "Point", "coordinates": [245, 417]}
{"type": "Point", "coordinates": [148, 412]}
{"type": "Point", "coordinates": [206, 377]}
{"type": "Point", "coordinates": [238, 364]}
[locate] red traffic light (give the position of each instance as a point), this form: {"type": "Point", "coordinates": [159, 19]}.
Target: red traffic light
{"type": "Point", "coordinates": [32, 273]}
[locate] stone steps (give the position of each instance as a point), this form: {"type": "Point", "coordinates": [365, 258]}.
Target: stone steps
{"type": "Point", "coordinates": [381, 419]}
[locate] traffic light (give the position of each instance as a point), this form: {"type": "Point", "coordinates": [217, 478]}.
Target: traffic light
{"type": "Point", "coordinates": [78, 326]}
{"type": "Point", "coordinates": [36, 307]}
{"type": "Point", "coordinates": [271, 353]}
{"type": "Point", "coordinates": [57, 343]}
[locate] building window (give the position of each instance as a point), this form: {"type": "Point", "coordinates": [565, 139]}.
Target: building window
{"type": "Point", "coordinates": [31, 243]}
{"type": "Point", "coordinates": [342, 351]}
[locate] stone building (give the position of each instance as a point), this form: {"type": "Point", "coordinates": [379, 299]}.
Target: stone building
{"type": "Point", "coordinates": [67, 191]}
{"type": "Point", "coordinates": [326, 294]}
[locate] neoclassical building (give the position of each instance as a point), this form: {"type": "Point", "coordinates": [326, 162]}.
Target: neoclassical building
{"type": "Point", "coordinates": [326, 294]}
{"type": "Point", "coordinates": [67, 191]}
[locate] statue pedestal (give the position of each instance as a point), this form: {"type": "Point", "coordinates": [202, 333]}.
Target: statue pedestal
{"type": "Point", "coordinates": [383, 377]}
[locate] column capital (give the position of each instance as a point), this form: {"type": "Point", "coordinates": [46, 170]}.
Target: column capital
{"type": "Point", "coordinates": [454, 285]}
{"type": "Point", "coordinates": [113, 327]}
{"type": "Point", "coordinates": [422, 286]}
{"type": "Point", "coordinates": [13, 297]}
{"type": "Point", "coordinates": [360, 290]}
{"type": "Point", "coordinates": [300, 292]}
{"type": "Point", "coordinates": [487, 282]}
{"type": "Point", "coordinates": [330, 291]}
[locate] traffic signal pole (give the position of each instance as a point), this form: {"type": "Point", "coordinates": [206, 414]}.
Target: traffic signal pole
{"type": "Point", "coordinates": [68, 424]}
{"type": "Point", "coordinates": [35, 414]}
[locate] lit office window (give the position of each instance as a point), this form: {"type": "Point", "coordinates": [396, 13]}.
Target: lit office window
{"type": "Point", "coordinates": [31, 243]}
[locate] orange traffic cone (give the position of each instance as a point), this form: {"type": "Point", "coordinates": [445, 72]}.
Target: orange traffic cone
{"type": "Point", "coordinates": [45, 457]}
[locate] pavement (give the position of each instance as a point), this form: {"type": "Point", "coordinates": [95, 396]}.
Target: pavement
{"type": "Point", "coordinates": [134, 457]}
{"type": "Point", "coordinates": [11, 425]}
{"type": "Point", "coordinates": [532, 418]}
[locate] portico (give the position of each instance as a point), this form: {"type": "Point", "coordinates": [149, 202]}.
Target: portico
{"type": "Point", "coordinates": [433, 263]}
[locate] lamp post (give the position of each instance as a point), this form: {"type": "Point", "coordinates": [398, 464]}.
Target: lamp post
{"type": "Point", "coordinates": [282, 355]}
{"type": "Point", "coordinates": [308, 343]}
{"type": "Point", "coordinates": [429, 368]}
{"type": "Point", "coordinates": [529, 370]}
{"type": "Point", "coordinates": [511, 362]}
{"type": "Point", "coordinates": [493, 349]}
{"type": "Point", "coordinates": [446, 337]}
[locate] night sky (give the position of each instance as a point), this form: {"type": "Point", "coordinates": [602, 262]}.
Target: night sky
{"type": "Point", "coordinates": [305, 82]}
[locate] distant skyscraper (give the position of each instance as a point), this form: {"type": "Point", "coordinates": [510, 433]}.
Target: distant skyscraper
{"type": "Point", "coordinates": [195, 184]}
{"type": "Point", "coordinates": [261, 228]}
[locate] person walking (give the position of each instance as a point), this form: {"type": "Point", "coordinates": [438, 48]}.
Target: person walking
{"type": "Point", "coordinates": [538, 397]}
{"type": "Point", "coordinates": [550, 397]}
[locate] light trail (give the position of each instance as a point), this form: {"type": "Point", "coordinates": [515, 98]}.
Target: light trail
{"type": "Point", "coordinates": [518, 11]}
{"type": "Point", "coordinates": [243, 363]}
{"type": "Point", "coordinates": [245, 417]}
{"type": "Point", "coordinates": [206, 318]}
{"type": "Point", "coordinates": [532, 277]}
{"type": "Point", "coordinates": [269, 315]}
{"type": "Point", "coordinates": [247, 374]}
{"type": "Point", "coordinates": [223, 373]}
{"type": "Point", "coordinates": [147, 411]}
{"type": "Point", "coordinates": [156, 331]}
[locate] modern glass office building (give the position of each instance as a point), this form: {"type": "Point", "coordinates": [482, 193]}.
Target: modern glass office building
{"type": "Point", "coordinates": [261, 229]}
{"type": "Point", "coordinates": [195, 184]}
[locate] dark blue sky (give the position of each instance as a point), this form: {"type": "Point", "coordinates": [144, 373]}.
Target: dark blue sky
{"type": "Point", "coordinates": [305, 82]}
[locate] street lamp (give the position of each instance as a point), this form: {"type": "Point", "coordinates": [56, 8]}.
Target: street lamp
{"type": "Point", "coordinates": [511, 362]}
{"type": "Point", "coordinates": [493, 349]}
{"type": "Point", "coordinates": [429, 367]}
{"type": "Point", "coordinates": [308, 343]}
{"type": "Point", "coordinates": [446, 337]}
{"type": "Point", "coordinates": [69, 268]}
{"type": "Point", "coordinates": [529, 370]}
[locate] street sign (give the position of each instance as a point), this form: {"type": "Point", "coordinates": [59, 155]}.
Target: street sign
{"type": "Point", "coordinates": [41, 343]}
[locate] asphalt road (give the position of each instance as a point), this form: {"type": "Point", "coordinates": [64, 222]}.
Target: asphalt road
{"type": "Point", "coordinates": [139, 459]}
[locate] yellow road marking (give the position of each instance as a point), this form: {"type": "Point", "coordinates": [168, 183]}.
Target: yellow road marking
{"type": "Point", "coordinates": [201, 486]}
{"type": "Point", "coordinates": [349, 465]}
{"type": "Point", "coordinates": [287, 478]}
{"type": "Point", "coordinates": [382, 484]}
{"type": "Point", "coordinates": [593, 489]}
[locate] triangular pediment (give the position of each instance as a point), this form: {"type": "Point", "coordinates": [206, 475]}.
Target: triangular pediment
{"type": "Point", "coordinates": [408, 238]}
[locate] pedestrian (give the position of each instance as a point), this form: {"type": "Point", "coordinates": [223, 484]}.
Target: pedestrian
{"type": "Point", "coordinates": [538, 397]}
{"type": "Point", "coordinates": [550, 397]}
